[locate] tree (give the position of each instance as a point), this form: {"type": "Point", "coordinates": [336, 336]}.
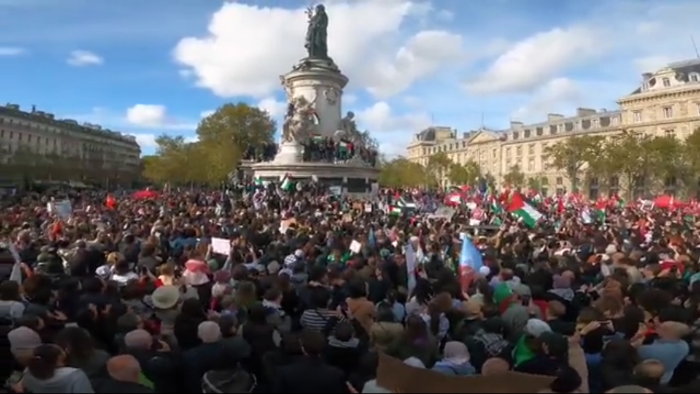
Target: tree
{"type": "Point", "coordinates": [514, 177]}
{"type": "Point", "coordinates": [438, 165]}
{"type": "Point", "coordinates": [691, 147]}
{"type": "Point", "coordinates": [400, 173]}
{"type": "Point", "coordinates": [669, 167]}
{"type": "Point", "coordinates": [572, 154]}
{"type": "Point", "coordinates": [490, 181]}
{"type": "Point", "coordinates": [630, 154]}
{"type": "Point", "coordinates": [465, 174]}
{"type": "Point", "coordinates": [172, 162]}
{"type": "Point", "coordinates": [535, 183]}
{"type": "Point", "coordinates": [238, 125]}
{"type": "Point", "coordinates": [219, 160]}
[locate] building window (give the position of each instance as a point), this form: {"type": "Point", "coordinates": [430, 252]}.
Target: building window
{"type": "Point", "coordinates": [559, 181]}
{"type": "Point", "coordinates": [531, 165]}
{"type": "Point", "coordinates": [552, 129]}
{"type": "Point", "coordinates": [516, 135]}
{"type": "Point", "coordinates": [645, 86]}
{"type": "Point", "coordinates": [539, 131]}
{"type": "Point", "coordinates": [694, 77]}
{"type": "Point", "coordinates": [616, 120]}
{"type": "Point", "coordinates": [637, 116]}
{"type": "Point", "coordinates": [494, 153]}
{"type": "Point", "coordinates": [670, 133]}
{"type": "Point", "coordinates": [507, 152]}
{"type": "Point", "coordinates": [668, 112]}
{"type": "Point", "coordinates": [666, 82]}
{"type": "Point", "coordinates": [531, 149]}
{"type": "Point", "coordinates": [526, 133]}
{"type": "Point", "coordinates": [519, 151]}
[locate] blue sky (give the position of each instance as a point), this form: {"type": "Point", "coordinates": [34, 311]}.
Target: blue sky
{"type": "Point", "coordinates": [153, 67]}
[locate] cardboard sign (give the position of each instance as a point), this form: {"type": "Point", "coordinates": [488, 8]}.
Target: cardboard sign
{"type": "Point", "coordinates": [443, 213]}
{"type": "Point", "coordinates": [396, 376]}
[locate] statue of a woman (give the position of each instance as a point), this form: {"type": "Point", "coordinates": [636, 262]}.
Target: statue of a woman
{"type": "Point", "coordinates": [317, 33]}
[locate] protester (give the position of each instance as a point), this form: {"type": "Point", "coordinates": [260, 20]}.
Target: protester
{"type": "Point", "coordinates": [263, 289]}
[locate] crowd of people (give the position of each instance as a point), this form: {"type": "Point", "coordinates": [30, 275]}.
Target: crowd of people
{"type": "Point", "coordinates": [208, 291]}
{"type": "Point", "coordinates": [322, 150]}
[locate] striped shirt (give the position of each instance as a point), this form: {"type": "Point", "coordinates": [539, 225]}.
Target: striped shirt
{"type": "Point", "coordinates": [317, 319]}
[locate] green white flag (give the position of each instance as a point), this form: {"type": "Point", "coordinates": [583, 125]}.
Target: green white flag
{"type": "Point", "coordinates": [286, 183]}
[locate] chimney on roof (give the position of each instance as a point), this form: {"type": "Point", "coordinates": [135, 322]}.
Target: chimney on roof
{"type": "Point", "coordinates": [553, 117]}
{"type": "Point", "coordinates": [585, 112]}
{"type": "Point", "coordinates": [33, 108]}
{"type": "Point", "coordinates": [514, 124]}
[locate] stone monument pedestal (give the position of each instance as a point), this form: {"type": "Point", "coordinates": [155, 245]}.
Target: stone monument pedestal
{"type": "Point", "coordinates": [289, 153]}
{"type": "Point", "coordinates": [354, 177]}
{"type": "Point", "coordinates": [320, 82]}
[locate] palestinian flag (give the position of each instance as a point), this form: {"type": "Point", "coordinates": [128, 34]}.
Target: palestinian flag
{"type": "Point", "coordinates": [395, 210]}
{"type": "Point", "coordinates": [286, 183]}
{"type": "Point", "coordinates": [495, 207]}
{"type": "Point", "coordinates": [406, 204]}
{"type": "Point", "coordinates": [520, 207]}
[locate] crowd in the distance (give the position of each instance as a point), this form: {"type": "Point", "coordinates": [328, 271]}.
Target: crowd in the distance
{"type": "Point", "coordinates": [137, 297]}
{"type": "Point", "coordinates": [323, 150]}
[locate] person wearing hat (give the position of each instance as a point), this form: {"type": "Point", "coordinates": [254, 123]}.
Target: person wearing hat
{"type": "Point", "coordinates": [165, 301]}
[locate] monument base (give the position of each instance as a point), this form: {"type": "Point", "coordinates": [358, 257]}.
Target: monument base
{"type": "Point", "coordinates": [289, 153]}
{"type": "Point", "coordinates": [354, 178]}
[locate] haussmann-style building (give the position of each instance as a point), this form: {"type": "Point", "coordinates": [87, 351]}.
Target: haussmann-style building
{"type": "Point", "coordinates": [667, 103]}
{"type": "Point", "coordinates": [36, 146]}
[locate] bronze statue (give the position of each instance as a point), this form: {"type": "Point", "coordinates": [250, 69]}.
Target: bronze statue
{"type": "Point", "coordinates": [317, 33]}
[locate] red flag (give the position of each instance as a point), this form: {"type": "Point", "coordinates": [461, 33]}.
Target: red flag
{"type": "Point", "coordinates": [110, 202]}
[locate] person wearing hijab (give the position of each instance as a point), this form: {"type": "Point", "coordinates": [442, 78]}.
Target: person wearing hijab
{"type": "Point", "coordinates": [455, 361]}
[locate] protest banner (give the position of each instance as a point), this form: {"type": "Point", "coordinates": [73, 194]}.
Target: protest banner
{"type": "Point", "coordinates": [396, 376]}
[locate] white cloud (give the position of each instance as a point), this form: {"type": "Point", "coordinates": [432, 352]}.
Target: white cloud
{"type": "Point", "coordinates": [531, 62]}
{"type": "Point", "coordinates": [11, 51]}
{"type": "Point", "coordinates": [651, 63]}
{"type": "Point", "coordinates": [274, 107]}
{"type": "Point", "coordinates": [248, 47]}
{"type": "Point", "coordinates": [147, 141]}
{"type": "Point", "coordinates": [81, 58]}
{"type": "Point", "coordinates": [146, 115]}
{"type": "Point", "coordinates": [393, 132]}
{"type": "Point", "coordinates": [557, 95]}
{"type": "Point", "coordinates": [615, 41]}
{"type": "Point", "coordinates": [155, 116]}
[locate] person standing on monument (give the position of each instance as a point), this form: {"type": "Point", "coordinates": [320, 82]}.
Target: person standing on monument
{"type": "Point", "coordinates": [317, 33]}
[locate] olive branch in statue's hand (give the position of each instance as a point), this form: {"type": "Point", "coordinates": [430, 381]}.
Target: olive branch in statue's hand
{"type": "Point", "coordinates": [309, 12]}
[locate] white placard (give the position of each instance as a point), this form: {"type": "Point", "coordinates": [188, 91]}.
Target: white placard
{"type": "Point", "coordinates": [221, 246]}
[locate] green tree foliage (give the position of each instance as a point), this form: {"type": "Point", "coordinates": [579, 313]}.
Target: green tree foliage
{"type": "Point", "coordinates": [633, 156]}
{"type": "Point", "coordinates": [400, 172]}
{"type": "Point", "coordinates": [466, 174]}
{"type": "Point", "coordinates": [630, 154]}
{"type": "Point", "coordinates": [514, 177]}
{"type": "Point", "coordinates": [223, 138]}
{"type": "Point", "coordinates": [573, 154]}
{"type": "Point", "coordinates": [490, 180]}
{"type": "Point", "coordinates": [536, 183]}
{"type": "Point", "coordinates": [238, 125]}
{"type": "Point", "coordinates": [438, 166]}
